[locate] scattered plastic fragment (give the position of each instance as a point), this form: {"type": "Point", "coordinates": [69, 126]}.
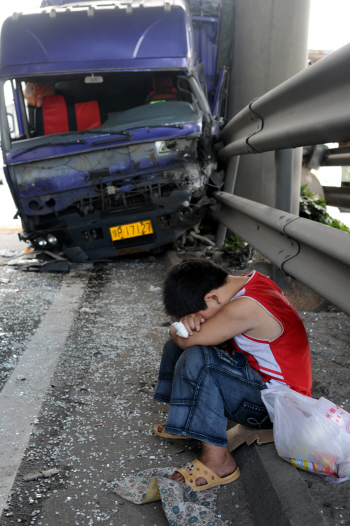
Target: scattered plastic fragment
{"type": "Point", "coordinates": [154, 289]}
{"type": "Point", "coordinates": [40, 474]}
{"type": "Point", "coordinates": [8, 253]}
{"type": "Point", "coordinates": [50, 472]}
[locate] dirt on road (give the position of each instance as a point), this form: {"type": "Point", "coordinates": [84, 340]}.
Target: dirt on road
{"type": "Point", "coordinates": [95, 423]}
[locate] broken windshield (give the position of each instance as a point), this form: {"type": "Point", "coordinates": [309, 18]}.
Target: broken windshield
{"type": "Point", "coordinates": [67, 107]}
{"type": "Point", "coordinates": [175, 113]}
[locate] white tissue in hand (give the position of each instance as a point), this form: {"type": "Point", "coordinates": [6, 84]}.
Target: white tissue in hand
{"type": "Point", "coordinates": [180, 329]}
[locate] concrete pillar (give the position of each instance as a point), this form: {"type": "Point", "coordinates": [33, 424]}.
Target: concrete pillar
{"type": "Point", "coordinates": [270, 46]}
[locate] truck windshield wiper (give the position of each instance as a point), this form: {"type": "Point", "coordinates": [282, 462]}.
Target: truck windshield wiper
{"type": "Point", "coordinates": [102, 132]}
{"type": "Point", "coordinates": [65, 143]}
{"type": "Point", "coordinates": [179, 126]}
{"type": "Point", "coordinates": [127, 133]}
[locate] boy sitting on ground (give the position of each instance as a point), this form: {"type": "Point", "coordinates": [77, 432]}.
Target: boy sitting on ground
{"type": "Point", "coordinates": [207, 383]}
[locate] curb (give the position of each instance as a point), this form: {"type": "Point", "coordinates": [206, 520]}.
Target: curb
{"type": "Point", "coordinates": [276, 493]}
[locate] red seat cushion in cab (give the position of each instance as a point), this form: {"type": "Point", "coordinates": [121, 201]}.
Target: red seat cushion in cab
{"type": "Point", "coordinates": [55, 116]}
{"type": "Point", "coordinates": [87, 115]}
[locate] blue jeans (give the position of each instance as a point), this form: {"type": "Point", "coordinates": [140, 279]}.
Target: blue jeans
{"type": "Point", "coordinates": [205, 386]}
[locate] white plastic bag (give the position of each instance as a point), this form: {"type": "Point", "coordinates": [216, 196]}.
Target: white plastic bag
{"type": "Point", "coordinates": [311, 434]}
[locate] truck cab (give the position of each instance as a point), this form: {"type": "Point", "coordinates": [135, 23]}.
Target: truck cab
{"type": "Point", "coordinates": [107, 128]}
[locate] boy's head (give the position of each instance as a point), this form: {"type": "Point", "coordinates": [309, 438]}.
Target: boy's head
{"type": "Point", "coordinates": [188, 282]}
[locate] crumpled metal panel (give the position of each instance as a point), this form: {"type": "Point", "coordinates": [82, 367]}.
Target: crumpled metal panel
{"type": "Point", "coordinates": [81, 198]}
{"type": "Point", "coordinates": [52, 185]}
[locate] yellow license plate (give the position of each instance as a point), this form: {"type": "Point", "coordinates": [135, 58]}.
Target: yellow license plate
{"type": "Point", "coordinates": [141, 228]}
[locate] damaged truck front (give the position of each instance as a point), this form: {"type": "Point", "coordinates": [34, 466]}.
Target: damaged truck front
{"type": "Point", "coordinates": [106, 128]}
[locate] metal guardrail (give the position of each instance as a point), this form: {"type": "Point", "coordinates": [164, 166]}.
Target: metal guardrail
{"type": "Point", "coordinates": [337, 196]}
{"type": "Point", "coordinates": [314, 254]}
{"type": "Point", "coordinates": [309, 108]}
{"type": "Point", "coordinates": [337, 156]}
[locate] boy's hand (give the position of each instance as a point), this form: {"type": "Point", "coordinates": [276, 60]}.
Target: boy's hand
{"type": "Point", "coordinates": [192, 322]}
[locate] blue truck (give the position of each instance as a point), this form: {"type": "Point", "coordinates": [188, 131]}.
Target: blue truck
{"type": "Point", "coordinates": [109, 116]}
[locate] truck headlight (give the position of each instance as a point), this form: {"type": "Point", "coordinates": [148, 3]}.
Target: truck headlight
{"type": "Point", "coordinates": [40, 241]}
{"type": "Point", "coordinates": [52, 239]}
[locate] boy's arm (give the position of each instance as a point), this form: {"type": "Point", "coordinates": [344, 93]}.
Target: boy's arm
{"type": "Point", "coordinates": [193, 322]}
{"type": "Point", "coordinates": [233, 319]}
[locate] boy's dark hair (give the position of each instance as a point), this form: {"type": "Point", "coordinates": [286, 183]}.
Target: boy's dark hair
{"type": "Point", "coordinates": [188, 282]}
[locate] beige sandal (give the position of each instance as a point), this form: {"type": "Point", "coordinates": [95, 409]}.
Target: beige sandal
{"type": "Point", "coordinates": [192, 471]}
{"type": "Point", "coordinates": [163, 434]}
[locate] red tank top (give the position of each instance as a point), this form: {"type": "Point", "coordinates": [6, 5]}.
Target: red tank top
{"type": "Point", "coordinates": [285, 360]}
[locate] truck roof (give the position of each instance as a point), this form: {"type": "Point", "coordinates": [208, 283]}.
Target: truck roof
{"type": "Point", "coordinates": [96, 37]}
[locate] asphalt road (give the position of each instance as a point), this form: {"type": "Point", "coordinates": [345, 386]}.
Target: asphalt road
{"type": "Point", "coordinates": [79, 356]}
{"type": "Point", "coordinates": [79, 361]}
{"type": "Point", "coordinates": [92, 417]}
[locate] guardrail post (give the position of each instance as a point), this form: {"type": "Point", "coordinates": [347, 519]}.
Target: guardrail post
{"type": "Point", "coordinates": [284, 179]}
{"type": "Point", "coordinates": [230, 179]}
{"type": "Point", "coordinates": [284, 189]}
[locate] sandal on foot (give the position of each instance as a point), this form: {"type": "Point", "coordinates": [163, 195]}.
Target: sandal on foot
{"type": "Point", "coordinates": [191, 472]}
{"type": "Point", "coordinates": [163, 434]}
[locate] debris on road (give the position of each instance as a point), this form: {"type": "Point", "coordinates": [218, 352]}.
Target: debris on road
{"type": "Point", "coordinates": [40, 474]}
{"type": "Point", "coordinates": [107, 375]}
{"type": "Point", "coordinates": [154, 289]}
{"type": "Point", "coordinates": [41, 261]}
{"type": "Point", "coordinates": [8, 253]}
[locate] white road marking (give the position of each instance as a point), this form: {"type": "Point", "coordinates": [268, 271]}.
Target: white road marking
{"type": "Point", "coordinates": [21, 400]}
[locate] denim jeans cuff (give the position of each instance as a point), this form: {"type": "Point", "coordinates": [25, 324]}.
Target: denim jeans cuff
{"type": "Point", "coordinates": [196, 436]}
{"type": "Point", "coordinates": [160, 398]}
